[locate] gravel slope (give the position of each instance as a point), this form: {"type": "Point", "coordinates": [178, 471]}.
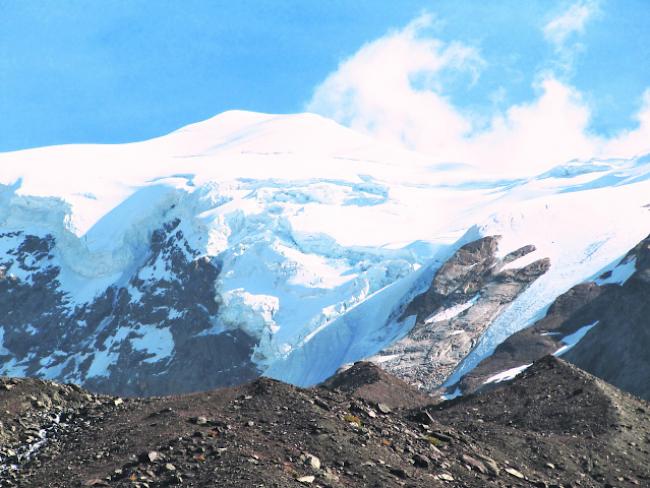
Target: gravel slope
{"type": "Point", "coordinates": [552, 426]}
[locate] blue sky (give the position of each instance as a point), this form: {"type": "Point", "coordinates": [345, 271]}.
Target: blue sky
{"type": "Point", "coordinates": [117, 71]}
{"type": "Point", "coordinates": [110, 71]}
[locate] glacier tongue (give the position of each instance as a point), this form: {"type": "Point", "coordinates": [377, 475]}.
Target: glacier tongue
{"type": "Point", "coordinates": [316, 238]}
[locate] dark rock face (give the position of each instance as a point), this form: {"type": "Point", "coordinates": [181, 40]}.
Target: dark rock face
{"type": "Point", "coordinates": [553, 426]}
{"type": "Point", "coordinates": [615, 349]}
{"type": "Point", "coordinates": [28, 305]}
{"type": "Point", "coordinates": [152, 335]}
{"type": "Point", "coordinates": [565, 316]}
{"type": "Point", "coordinates": [467, 293]}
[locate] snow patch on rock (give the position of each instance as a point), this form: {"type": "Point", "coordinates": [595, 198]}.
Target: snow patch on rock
{"type": "Point", "coordinates": [572, 339]}
{"type": "Point", "coordinates": [452, 312]}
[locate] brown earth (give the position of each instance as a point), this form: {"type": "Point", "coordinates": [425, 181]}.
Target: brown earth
{"type": "Point", "coordinates": [552, 426]}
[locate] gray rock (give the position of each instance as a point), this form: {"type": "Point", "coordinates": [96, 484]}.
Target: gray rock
{"type": "Point", "coordinates": [150, 457]}
{"type": "Point", "coordinates": [383, 408]}
{"type": "Point", "coordinates": [515, 473]}
{"type": "Point", "coordinates": [466, 294]}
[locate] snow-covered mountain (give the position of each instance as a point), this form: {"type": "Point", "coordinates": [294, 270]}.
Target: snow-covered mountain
{"type": "Point", "coordinates": [281, 245]}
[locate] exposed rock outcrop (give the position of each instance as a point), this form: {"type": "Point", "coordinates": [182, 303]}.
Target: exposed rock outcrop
{"type": "Point", "coordinates": [467, 293]}
{"type": "Point", "coordinates": [617, 348]}
{"type": "Point", "coordinates": [369, 382]}
{"type": "Point", "coordinates": [151, 335]}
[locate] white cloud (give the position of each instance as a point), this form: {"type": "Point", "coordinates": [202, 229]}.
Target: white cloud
{"type": "Point", "coordinates": [531, 137]}
{"type": "Point", "coordinates": [572, 21]}
{"type": "Point", "coordinates": [375, 91]}
{"type": "Point", "coordinates": [634, 142]}
{"type": "Point", "coordinates": [564, 31]}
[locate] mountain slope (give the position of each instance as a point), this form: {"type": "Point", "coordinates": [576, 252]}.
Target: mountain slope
{"type": "Point", "coordinates": [554, 426]}
{"type": "Point", "coordinates": [466, 295]}
{"type": "Point", "coordinates": [616, 348]}
{"type": "Point", "coordinates": [281, 245]}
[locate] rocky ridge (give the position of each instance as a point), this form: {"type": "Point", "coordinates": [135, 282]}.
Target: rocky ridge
{"type": "Point", "coordinates": [554, 426]}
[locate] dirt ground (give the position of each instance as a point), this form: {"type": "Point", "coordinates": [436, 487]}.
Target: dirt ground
{"type": "Point", "coordinates": [553, 426]}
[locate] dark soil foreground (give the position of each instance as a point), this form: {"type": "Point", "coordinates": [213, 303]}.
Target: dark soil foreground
{"type": "Point", "coordinates": [553, 426]}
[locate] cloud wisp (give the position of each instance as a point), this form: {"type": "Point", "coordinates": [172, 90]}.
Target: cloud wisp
{"type": "Point", "coordinates": [564, 33]}
{"type": "Point", "coordinates": [394, 88]}
{"type": "Point", "coordinates": [571, 21]}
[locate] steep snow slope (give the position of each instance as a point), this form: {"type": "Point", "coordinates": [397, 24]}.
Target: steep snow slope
{"type": "Point", "coordinates": [567, 214]}
{"type": "Point", "coordinates": [311, 239]}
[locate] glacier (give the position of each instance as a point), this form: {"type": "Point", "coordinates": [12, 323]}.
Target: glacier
{"type": "Point", "coordinates": [321, 234]}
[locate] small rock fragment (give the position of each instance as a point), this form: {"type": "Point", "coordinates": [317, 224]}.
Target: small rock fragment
{"type": "Point", "coordinates": [96, 482]}
{"type": "Point", "coordinates": [312, 461]}
{"type": "Point", "coordinates": [475, 464]}
{"type": "Point", "coordinates": [491, 465]}
{"type": "Point", "coordinates": [383, 408]}
{"type": "Point", "coordinates": [321, 403]}
{"type": "Point", "coordinates": [515, 473]}
{"type": "Point", "coordinates": [150, 457]}
{"type": "Point", "coordinates": [421, 461]}
{"type": "Point", "coordinates": [398, 472]}
{"type": "Point", "coordinates": [440, 436]}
